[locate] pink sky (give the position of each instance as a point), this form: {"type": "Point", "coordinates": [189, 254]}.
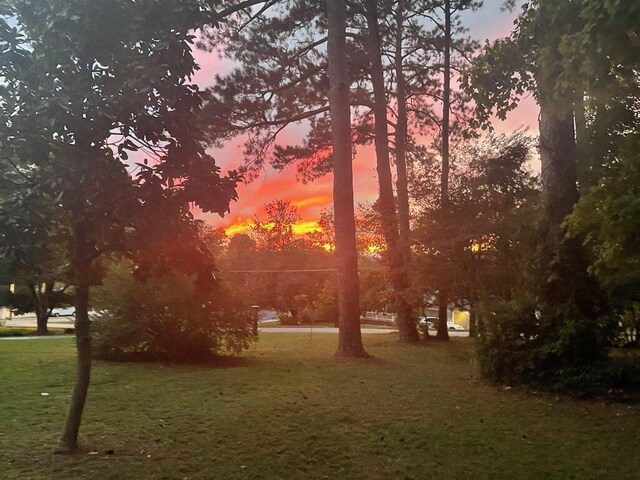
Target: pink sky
{"type": "Point", "coordinates": [487, 24]}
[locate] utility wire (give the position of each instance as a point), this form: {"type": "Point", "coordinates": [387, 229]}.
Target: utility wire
{"type": "Point", "coordinates": [295, 270]}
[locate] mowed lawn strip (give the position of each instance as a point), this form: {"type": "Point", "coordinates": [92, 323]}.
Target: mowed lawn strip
{"type": "Point", "coordinates": [289, 410]}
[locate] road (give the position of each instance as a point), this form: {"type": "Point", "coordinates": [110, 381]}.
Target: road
{"type": "Point", "coordinates": [364, 330]}
{"type": "Point", "coordinates": [67, 322]}
{"type": "Point", "coordinates": [30, 321]}
{"type": "Point", "coordinates": [318, 330]}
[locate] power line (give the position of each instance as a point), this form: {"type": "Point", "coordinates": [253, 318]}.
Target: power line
{"type": "Point", "coordinates": [307, 270]}
{"type": "Point", "coordinates": [277, 271]}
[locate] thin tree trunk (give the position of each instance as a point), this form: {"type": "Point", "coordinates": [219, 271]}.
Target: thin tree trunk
{"type": "Point", "coordinates": [350, 337]}
{"type": "Point", "coordinates": [443, 298]}
{"type": "Point", "coordinates": [443, 302]}
{"type": "Point", "coordinates": [446, 106]}
{"type": "Point", "coordinates": [401, 139]}
{"type": "Point", "coordinates": [68, 441]}
{"type": "Point", "coordinates": [408, 331]}
{"type": "Point", "coordinates": [402, 183]}
{"type": "Point", "coordinates": [581, 123]}
{"type": "Point", "coordinates": [473, 320]}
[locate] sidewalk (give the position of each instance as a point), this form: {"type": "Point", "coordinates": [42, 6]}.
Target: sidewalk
{"type": "Point", "coordinates": [21, 321]}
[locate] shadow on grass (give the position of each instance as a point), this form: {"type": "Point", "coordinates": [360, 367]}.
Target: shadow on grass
{"type": "Point", "coordinates": [12, 332]}
{"type": "Point", "coordinates": [371, 360]}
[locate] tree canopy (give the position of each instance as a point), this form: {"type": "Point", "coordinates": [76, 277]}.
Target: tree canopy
{"type": "Point", "coordinates": [84, 86]}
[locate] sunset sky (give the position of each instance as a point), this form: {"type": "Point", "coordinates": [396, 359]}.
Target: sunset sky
{"type": "Point", "coordinates": [488, 23]}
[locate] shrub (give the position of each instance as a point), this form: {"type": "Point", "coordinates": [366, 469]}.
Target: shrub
{"type": "Point", "coordinates": [287, 318]}
{"type": "Point", "coordinates": [307, 315]}
{"type": "Point", "coordinates": [318, 314]}
{"type": "Point", "coordinates": [167, 317]}
{"type": "Point", "coordinates": [549, 348]}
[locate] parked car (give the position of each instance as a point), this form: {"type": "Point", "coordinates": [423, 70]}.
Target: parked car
{"type": "Point", "coordinates": [63, 312]}
{"type": "Point", "coordinates": [454, 326]}
{"type": "Point", "coordinates": [430, 322]}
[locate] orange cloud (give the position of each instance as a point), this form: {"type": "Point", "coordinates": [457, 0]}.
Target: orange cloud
{"type": "Point", "coordinates": [310, 199]}
{"type": "Point", "coordinates": [322, 200]}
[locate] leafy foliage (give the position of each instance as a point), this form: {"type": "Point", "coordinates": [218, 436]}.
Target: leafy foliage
{"type": "Point", "coordinates": [477, 248]}
{"type": "Point", "coordinates": [96, 107]}
{"type": "Point", "coordinates": [608, 218]}
{"type": "Point", "coordinates": [575, 58]}
{"type": "Point", "coordinates": [86, 83]}
{"type": "Point", "coordinates": [520, 345]}
{"type": "Point", "coordinates": [276, 232]}
{"type": "Point", "coordinates": [22, 300]}
{"type": "Point", "coordinates": [167, 317]}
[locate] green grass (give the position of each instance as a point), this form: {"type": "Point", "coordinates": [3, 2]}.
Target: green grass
{"type": "Point", "coordinates": [288, 410]}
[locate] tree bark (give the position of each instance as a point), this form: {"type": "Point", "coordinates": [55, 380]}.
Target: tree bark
{"type": "Point", "coordinates": [564, 259]}
{"type": "Point", "coordinates": [68, 442]}
{"type": "Point", "coordinates": [473, 320]}
{"type": "Point", "coordinates": [41, 307]}
{"type": "Point", "coordinates": [582, 139]}
{"type": "Point", "coordinates": [408, 331]}
{"type": "Point", "coordinates": [349, 337]}
{"type": "Point", "coordinates": [558, 169]}
{"type": "Point", "coordinates": [443, 298]}
{"type": "Point", "coordinates": [401, 138]}
{"type": "Point", "coordinates": [402, 182]}
{"type": "Point", "coordinates": [443, 302]}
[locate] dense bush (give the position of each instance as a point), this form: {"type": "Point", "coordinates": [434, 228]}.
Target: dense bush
{"type": "Point", "coordinates": [166, 317]}
{"type": "Point", "coordinates": [286, 318]}
{"type": "Point", "coordinates": [550, 349]}
{"type": "Point", "coordinates": [319, 314]}
{"type": "Point", "coordinates": [324, 309]}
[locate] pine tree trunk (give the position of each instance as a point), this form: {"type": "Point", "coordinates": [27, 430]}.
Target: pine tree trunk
{"type": "Point", "coordinates": [350, 337]}
{"type": "Point", "coordinates": [68, 441]}
{"type": "Point", "coordinates": [406, 323]}
{"type": "Point", "coordinates": [443, 298]}
{"type": "Point", "coordinates": [401, 139]}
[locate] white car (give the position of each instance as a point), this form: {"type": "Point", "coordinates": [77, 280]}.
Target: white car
{"type": "Point", "coordinates": [454, 326]}
{"type": "Point", "coordinates": [430, 322]}
{"type": "Point", "coordinates": [63, 312]}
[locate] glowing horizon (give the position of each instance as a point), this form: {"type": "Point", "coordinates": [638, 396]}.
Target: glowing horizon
{"type": "Point", "coordinates": [245, 225]}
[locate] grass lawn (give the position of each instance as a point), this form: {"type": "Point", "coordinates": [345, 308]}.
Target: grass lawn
{"type": "Point", "coordinates": [288, 410]}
